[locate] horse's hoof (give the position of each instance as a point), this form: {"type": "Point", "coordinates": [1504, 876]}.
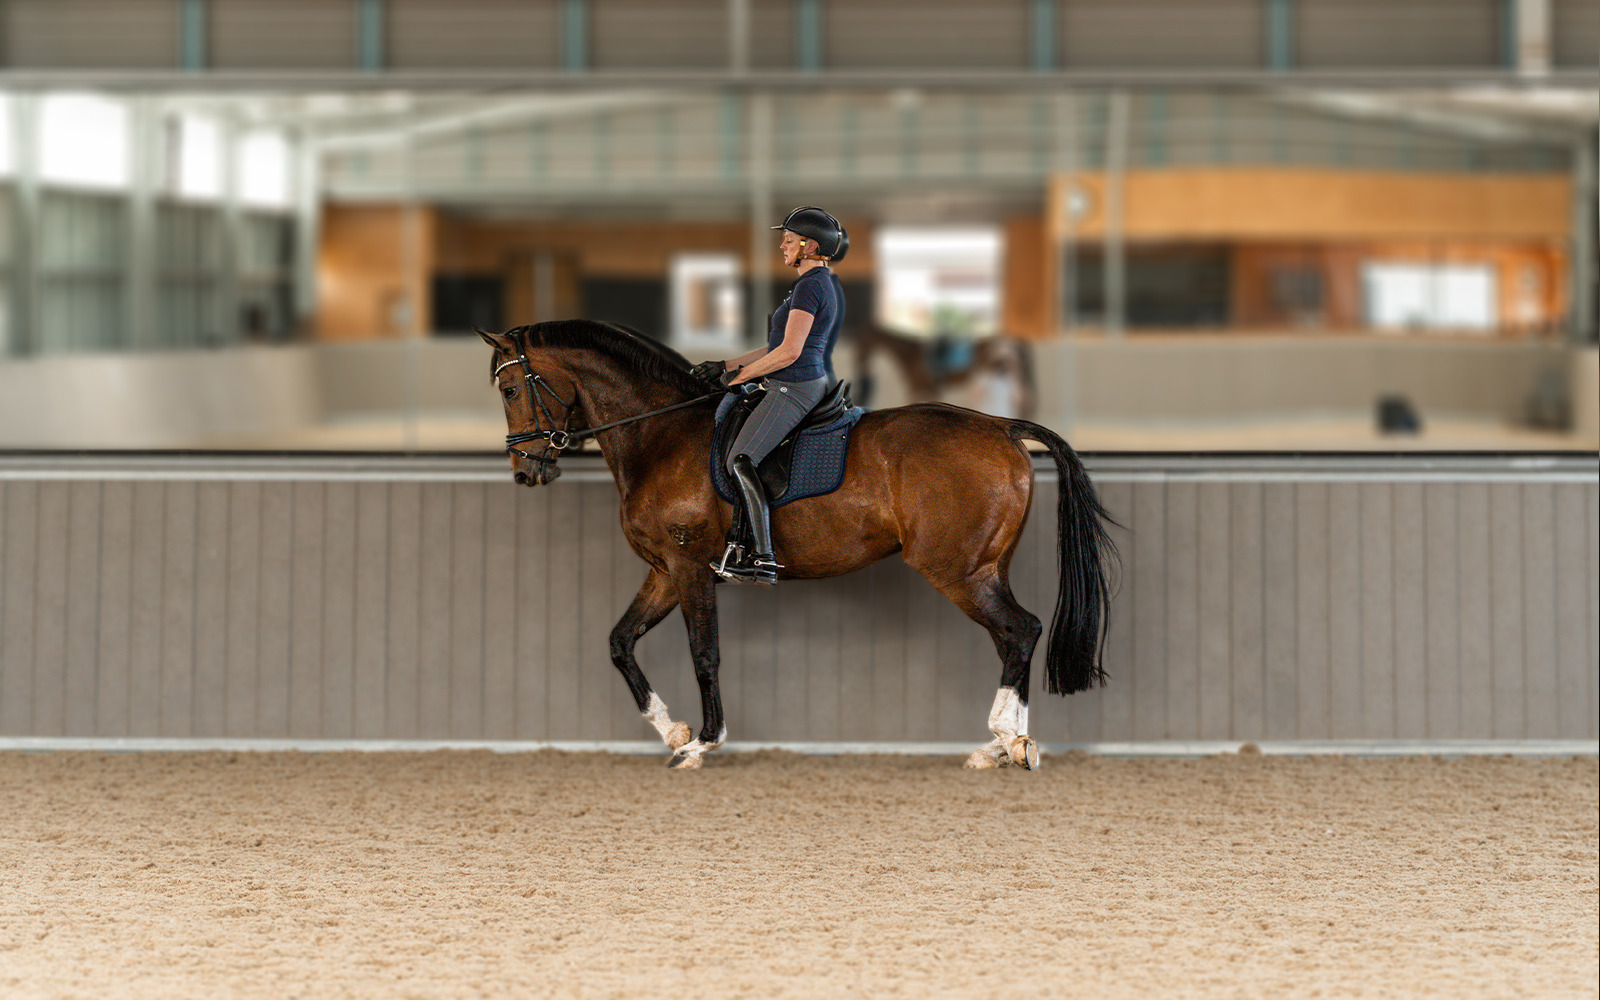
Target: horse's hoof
{"type": "Point", "coordinates": [982, 760]}
{"type": "Point", "coordinates": [684, 762]}
{"type": "Point", "coordinates": [679, 735]}
{"type": "Point", "coordinates": [1024, 753]}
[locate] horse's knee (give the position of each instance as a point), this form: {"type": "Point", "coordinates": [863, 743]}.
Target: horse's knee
{"type": "Point", "coordinates": [623, 640]}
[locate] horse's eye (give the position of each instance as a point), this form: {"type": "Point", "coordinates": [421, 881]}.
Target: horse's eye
{"type": "Point", "coordinates": [509, 392]}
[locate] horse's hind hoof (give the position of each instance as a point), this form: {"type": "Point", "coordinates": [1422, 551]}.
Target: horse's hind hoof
{"type": "Point", "coordinates": [1024, 753]}
{"type": "Point", "coordinates": [684, 762]}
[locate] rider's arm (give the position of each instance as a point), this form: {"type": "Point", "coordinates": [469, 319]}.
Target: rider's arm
{"type": "Point", "coordinates": [784, 355]}
{"type": "Point", "coordinates": [734, 364]}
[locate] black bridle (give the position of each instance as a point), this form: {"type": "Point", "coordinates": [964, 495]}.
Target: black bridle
{"type": "Point", "coordinates": [559, 439]}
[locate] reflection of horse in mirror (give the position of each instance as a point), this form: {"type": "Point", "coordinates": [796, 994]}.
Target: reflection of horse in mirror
{"type": "Point", "coordinates": [946, 487]}
{"type": "Point", "coordinates": [934, 368]}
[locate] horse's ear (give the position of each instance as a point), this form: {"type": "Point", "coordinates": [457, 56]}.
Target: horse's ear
{"type": "Point", "coordinates": [498, 341]}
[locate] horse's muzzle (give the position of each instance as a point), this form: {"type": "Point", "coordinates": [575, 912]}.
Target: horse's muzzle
{"type": "Point", "coordinates": [529, 470]}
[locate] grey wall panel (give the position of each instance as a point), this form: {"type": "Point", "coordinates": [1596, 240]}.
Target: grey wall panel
{"type": "Point", "coordinates": [179, 604]}
{"type": "Point", "coordinates": [773, 32]}
{"type": "Point", "coordinates": [1377, 611]}
{"type": "Point", "coordinates": [1312, 569]}
{"type": "Point", "coordinates": [1344, 611]}
{"type": "Point", "coordinates": [1574, 33]}
{"type": "Point", "coordinates": [1213, 586]}
{"type": "Point", "coordinates": [647, 34]}
{"type": "Point", "coordinates": [1160, 34]}
{"type": "Point", "coordinates": [282, 34]}
{"type": "Point", "coordinates": [925, 33]}
{"type": "Point", "coordinates": [51, 611]}
{"type": "Point", "coordinates": [1572, 602]}
{"type": "Point", "coordinates": [1475, 613]}
{"type": "Point", "coordinates": [306, 605]}
{"type": "Point", "coordinates": [19, 505]}
{"type": "Point", "coordinates": [275, 601]}
{"type": "Point", "coordinates": [369, 621]}
{"type": "Point", "coordinates": [145, 583]}
{"type": "Point", "coordinates": [1506, 601]}
{"type": "Point", "coordinates": [1420, 34]}
{"type": "Point", "coordinates": [1540, 693]}
{"type": "Point", "coordinates": [97, 34]}
{"type": "Point", "coordinates": [473, 34]}
{"type": "Point", "coordinates": [1374, 604]}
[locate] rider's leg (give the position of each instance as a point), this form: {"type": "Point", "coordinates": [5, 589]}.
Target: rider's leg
{"type": "Point", "coordinates": [778, 413]}
{"type": "Point", "coordinates": [762, 567]}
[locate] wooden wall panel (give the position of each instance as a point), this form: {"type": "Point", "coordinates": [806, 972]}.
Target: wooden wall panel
{"type": "Point", "coordinates": [1251, 605]}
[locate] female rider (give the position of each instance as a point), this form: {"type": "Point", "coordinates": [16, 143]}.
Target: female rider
{"type": "Point", "coordinates": [797, 369]}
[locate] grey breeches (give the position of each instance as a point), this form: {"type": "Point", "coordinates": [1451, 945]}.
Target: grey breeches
{"type": "Point", "coordinates": [785, 405]}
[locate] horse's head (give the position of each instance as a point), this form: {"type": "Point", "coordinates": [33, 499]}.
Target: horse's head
{"type": "Point", "coordinates": [539, 402]}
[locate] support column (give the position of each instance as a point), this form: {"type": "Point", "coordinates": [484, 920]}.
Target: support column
{"type": "Point", "coordinates": [575, 34]}
{"type": "Point", "coordinates": [371, 21]}
{"type": "Point", "coordinates": [1063, 267]}
{"type": "Point", "coordinates": [1114, 267]}
{"type": "Point", "coordinates": [140, 280]}
{"type": "Point", "coordinates": [738, 36]}
{"type": "Point", "coordinates": [24, 319]}
{"type": "Point", "coordinates": [1582, 311]}
{"type": "Point", "coordinates": [762, 211]}
{"type": "Point", "coordinates": [307, 232]}
{"type": "Point", "coordinates": [1043, 36]}
{"type": "Point", "coordinates": [1528, 25]}
{"type": "Point", "coordinates": [224, 326]}
{"type": "Point", "coordinates": [192, 34]}
{"type": "Point", "coordinates": [1280, 34]}
{"type": "Point", "coordinates": [808, 34]}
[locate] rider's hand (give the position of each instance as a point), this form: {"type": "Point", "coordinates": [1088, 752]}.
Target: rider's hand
{"type": "Point", "coordinates": [710, 372]}
{"type": "Point", "coordinates": [726, 381]}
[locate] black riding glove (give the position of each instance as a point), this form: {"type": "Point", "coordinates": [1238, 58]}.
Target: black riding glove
{"type": "Point", "coordinates": [709, 372]}
{"type": "Point", "coordinates": [726, 381]}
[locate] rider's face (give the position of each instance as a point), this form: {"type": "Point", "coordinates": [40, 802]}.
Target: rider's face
{"type": "Point", "coordinates": [792, 247]}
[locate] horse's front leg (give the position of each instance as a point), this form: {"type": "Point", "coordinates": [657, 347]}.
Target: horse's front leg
{"type": "Point", "coordinates": [654, 602]}
{"type": "Point", "coordinates": [697, 597]}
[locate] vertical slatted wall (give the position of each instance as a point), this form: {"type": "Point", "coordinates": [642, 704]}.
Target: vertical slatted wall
{"type": "Point", "coordinates": [1264, 604]}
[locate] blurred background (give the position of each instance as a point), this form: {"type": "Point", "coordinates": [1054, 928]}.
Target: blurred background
{"type": "Point", "coordinates": [1153, 225]}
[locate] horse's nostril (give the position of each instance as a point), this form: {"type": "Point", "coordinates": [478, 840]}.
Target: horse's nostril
{"type": "Point", "coordinates": [521, 478]}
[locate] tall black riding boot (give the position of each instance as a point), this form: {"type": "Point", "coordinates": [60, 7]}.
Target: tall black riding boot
{"type": "Point", "coordinates": [758, 566]}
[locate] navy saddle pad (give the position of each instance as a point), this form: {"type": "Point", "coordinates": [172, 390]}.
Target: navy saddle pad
{"type": "Point", "coordinates": [807, 463]}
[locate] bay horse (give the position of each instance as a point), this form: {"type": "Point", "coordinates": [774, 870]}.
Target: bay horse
{"type": "Point", "coordinates": [948, 488]}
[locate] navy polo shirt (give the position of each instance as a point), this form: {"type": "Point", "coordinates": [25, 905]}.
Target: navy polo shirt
{"type": "Point", "coordinates": [817, 292]}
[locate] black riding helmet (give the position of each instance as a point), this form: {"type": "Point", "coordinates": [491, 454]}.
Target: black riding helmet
{"type": "Point", "coordinates": [815, 224]}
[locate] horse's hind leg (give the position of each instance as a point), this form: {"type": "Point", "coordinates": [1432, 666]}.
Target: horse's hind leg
{"type": "Point", "coordinates": [1015, 632]}
{"type": "Point", "coordinates": [655, 601]}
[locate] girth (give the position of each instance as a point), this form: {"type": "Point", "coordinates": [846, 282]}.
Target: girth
{"type": "Point", "coordinates": [774, 469]}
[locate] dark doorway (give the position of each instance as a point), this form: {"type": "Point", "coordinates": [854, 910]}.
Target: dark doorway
{"type": "Point", "coordinates": [464, 301]}
{"type": "Point", "coordinates": [640, 303]}
{"type": "Point", "coordinates": [1166, 286]}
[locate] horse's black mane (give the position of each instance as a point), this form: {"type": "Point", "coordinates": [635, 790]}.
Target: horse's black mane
{"type": "Point", "coordinates": [627, 347]}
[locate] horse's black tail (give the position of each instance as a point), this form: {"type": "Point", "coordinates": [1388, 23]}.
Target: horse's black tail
{"type": "Point", "coordinates": [1073, 657]}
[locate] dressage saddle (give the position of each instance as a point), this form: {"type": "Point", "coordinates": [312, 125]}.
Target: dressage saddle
{"type": "Point", "coordinates": [775, 468]}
